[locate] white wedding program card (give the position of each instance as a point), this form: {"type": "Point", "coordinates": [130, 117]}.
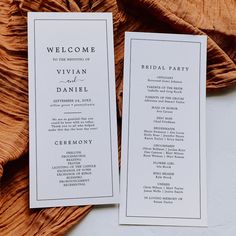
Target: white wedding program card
{"type": "Point", "coordinates": [73, 134]}
{"type": "Point", "coordinates": [163, 172]}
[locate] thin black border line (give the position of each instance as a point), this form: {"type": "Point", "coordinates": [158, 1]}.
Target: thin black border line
{"type": "Point", "coordinates": [190, 218]}
{"type": "Point", "coordinates": [174, 41]}
{"type": "Point", "coordinates": [69, 198]}
{"type": "Point", "coordinates": [35, 85]}
{"type": "Point", "coordinates": [128, 130]}
{"type": "Point", "coordinates": [36, 112]}
{"type": "Point", "coordinates": [200, 188]}
{"type": "Point", "coordinates": [108, 84]}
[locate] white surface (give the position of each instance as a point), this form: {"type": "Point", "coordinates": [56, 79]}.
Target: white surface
{"type": "Point", "coordinates": [221, 184]}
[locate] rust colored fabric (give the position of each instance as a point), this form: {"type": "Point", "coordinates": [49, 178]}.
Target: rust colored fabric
{"type": "Point", "coordinates": [217, 19]}
{"type": "Point", "coordinates": [173, 16]}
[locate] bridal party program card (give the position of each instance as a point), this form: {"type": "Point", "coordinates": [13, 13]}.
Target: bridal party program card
{"type": "Point", "coordinates": [73, 136]}
{"type": "Point", "coordinates": [163, 175]}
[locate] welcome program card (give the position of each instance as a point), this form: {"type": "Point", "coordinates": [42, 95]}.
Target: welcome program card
{"type": "Point", "coordinates": [73, 136]}
{"type": "Point", "coordinates": [163, 172]}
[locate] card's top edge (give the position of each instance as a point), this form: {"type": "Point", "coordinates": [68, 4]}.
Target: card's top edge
{"type": "Point", "coordinates": [68, 14]}
{"type": "Point", "coordinates": [147, 35]}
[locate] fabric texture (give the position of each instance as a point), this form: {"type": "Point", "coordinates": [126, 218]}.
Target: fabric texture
{"type": "Point", "coordinates": [217, 19]}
